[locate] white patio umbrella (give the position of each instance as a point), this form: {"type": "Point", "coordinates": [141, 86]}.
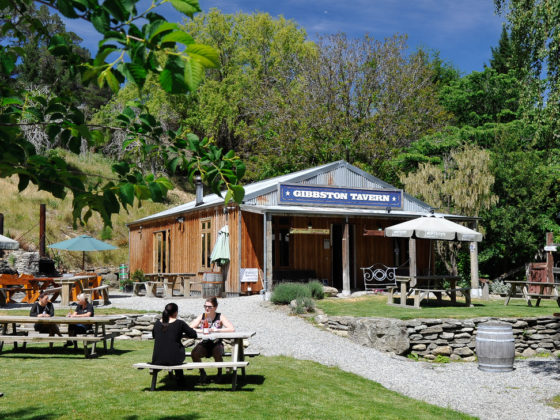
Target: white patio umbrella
{"type": "Point", "coordinates": [433, 227]}
{"type": "Point", "coordinates": [8, 243]}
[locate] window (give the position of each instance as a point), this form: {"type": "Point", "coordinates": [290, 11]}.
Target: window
{"type": "Point", "coordinates": [161, 252]}
{"type": "Point", "coordinates": [206, 238]}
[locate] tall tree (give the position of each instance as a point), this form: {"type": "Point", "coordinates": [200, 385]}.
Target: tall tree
{"type": "Point", "coordinates": [462, 185]}
{"type": "Point", "coordinates": [502, 55]}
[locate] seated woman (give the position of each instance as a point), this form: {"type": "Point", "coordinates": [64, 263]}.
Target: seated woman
{"type": "Point", "coordinates": [167, 333]}
{"type": "Point", "coordinates": [44, 309]}
{"type": "Point", "coordinates": [210, 348]}
{"type": "Point", "coordinates": [83, 310]}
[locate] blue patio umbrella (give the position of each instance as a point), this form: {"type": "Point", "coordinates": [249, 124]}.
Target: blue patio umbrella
{"type": "Point", "coordinates": [83, 243]}
{"type": "Point", "coordinates": [220, 253]}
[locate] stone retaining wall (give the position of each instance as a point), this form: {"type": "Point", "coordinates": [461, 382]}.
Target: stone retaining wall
{"type": "Point", "coordinates": [138, 326]}
{"type": "Point", "coordinates": [454, 338]}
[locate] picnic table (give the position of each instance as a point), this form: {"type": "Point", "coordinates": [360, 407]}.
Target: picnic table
{"type": "Point", "coordinates": [88, 283]}
{"type": "Point", "coordinates": [237, 357]}
{"type": "Point", "coordinates": [23, 337]}
{"type": "Point", "coordinates": [30, 286]}
{"type": "Point", "coordinates": [166, 282]}
{"type": "Point", "coordinates": [539, 290]}
{"type": "Point", "coordinates": [420, 288]}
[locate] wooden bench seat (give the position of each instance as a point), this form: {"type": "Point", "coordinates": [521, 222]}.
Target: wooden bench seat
{"type": "Point", "coordinates": [154, 369]}
{"type": "Point", "coordinates": [228, 353]}
{"type": "Point", "coordinates": [423, 293]}
{"type": "Point", "coordinates": [103, 290]}
{"type": "Point", "coordinates": [41, 338]}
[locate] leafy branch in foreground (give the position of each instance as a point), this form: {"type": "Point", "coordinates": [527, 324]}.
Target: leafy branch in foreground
{"type": "Point", "coordinates": [127, 52]}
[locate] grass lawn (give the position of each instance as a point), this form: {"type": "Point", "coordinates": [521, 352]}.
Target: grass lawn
{"type": "Point", "coordinates": [39, 383]}
{"type": "Point", "coordinates": [376, 306]}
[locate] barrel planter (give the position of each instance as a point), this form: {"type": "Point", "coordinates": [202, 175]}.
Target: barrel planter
{"type": "Point", "coordinates": [212, 285]}
{"type": "Point", "coordinates": [495, 347]}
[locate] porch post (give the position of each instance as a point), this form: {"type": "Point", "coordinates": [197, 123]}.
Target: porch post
{"type": "Point", "coordinates": [346, 260]}
{"type": "Point", "coordinates": [412, 269]}
{"type": "Point", "coordinates": [268, 255]}
{"type": "Point", "coordinates": [473, 248]}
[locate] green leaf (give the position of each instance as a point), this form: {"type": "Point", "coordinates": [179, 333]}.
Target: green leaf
{"type": "Point", "coordinates": [135, 73]}
{"type": "Point", "coordinates": [127, 191]}
{"type": "Point", "coordinates": [165, 182]}
{"type": "Point", "coordinates": [112, 80]}
{"type": "Point", "coordinates": [238, 193]}
{"type": "Point", "coordinates": [163, 27]}
{"type": "Point", "coordinates": [100, 20]}
{"type": "Point", "coordinates": [116, 8]}
{"type": "Point", "coordinates": [74, 144]}
{"type": "Point", "coordinates": [194, 74]}
{"type": "Point", "coordinates": [187, 7]}
{"type": "Point", "coordinates": [178, 36]}
{"type": "Point", "coordinates": [11, 101]}
{"type": "Point", "coordinates": [58, 46]}
{"type": "Point", "coordinates": [66, 8]}
{"type": "Point", "coordinates": [208, 56]}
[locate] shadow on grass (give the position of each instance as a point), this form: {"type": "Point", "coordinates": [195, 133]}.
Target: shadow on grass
{"type": "Point", "coordinates": [57, 352]}
{"type": "Point", "coordinates": [190, 383]}
{"type": "Point", "coordinates": [434, 303]}
{"type": "Point", "coordinates": [183, 417]}
{"type": "Point", "coordinates": [547, 367]}
{"type": "Point", "coordinates": [27, 413]}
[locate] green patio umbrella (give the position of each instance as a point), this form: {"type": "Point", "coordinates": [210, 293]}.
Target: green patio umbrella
{"type": "Point", "coordinates": [83, 243]}
{"type": "Point", "coordinates": [220, 253]}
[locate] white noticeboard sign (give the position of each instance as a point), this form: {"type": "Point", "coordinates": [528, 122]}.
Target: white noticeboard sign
{"type": "Point", "coordinates": [249, 275]}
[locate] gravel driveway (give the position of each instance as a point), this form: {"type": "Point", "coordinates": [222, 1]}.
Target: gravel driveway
{"type": "Point", "coordinates": [520, 394]}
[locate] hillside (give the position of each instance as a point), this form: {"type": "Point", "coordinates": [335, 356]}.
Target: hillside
{"type": "Point", "coordinates": [21, 217]}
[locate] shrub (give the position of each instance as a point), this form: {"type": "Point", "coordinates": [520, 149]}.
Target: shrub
{"type": "Point", "coordinates": [499, 288]}
{"type": "Point", "coordinates": [137, 276]}
{"type": "Point", "coordinates": [316, 289]}
{"type": "Point", "coordinates": [284, 293]}
{"type": "Point", "coordinates": [304, 305]}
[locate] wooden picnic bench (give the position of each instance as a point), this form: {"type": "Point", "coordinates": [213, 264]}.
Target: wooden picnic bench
{"type": "Point", "coordinates": [167, 282]}
{"type": "Point", "coordinates": [533, 289]}
{"type": "Point", "coordinates": [237, 354]}
{"type": "Point", "coordinates": [420, 288]}
{"type": "Point", "coordinates": [23, 337]}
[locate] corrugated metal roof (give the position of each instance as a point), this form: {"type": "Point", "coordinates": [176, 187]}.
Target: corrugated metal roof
{"type": "Point", "coordinates": [263, 195]}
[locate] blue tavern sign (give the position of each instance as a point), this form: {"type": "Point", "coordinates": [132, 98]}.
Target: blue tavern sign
{"type": "Point", "coordinates": [324, 195]}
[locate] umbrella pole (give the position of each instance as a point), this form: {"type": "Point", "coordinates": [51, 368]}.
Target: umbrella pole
{"type": "Point", "coordinates": [83, 260]}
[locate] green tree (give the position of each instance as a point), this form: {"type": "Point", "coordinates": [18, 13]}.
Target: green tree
{"type": "Point", "coordinates": [461, 185]}
{"type": "Point", "coordinates": [127, 52]}
{"type": "Point", "coordinates": [502, 55]}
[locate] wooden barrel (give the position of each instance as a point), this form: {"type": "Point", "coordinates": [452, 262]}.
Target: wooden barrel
{"type": "Point", "coordinates": [212, 285]}
{"type": "Point", "coordinates": [495, 347]}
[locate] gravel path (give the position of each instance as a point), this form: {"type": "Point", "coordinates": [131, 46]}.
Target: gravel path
{"type": "Point", "coordinates": [520, 394]}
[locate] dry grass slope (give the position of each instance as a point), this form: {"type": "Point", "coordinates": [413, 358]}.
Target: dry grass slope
{"type": "Point", "coordinates": [21, 216]}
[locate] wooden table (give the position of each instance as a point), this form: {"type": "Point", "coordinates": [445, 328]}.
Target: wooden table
{"type": "Point", "coordinates": [541, 293]}
{"type": "Point", "coordinates": [421, 286]}
{"type": "Point", "coordinates": [98, 323]}
{"type": "Point", "coordinates": [237, 357]}
{"type": "Point", "coordinates": [167, 282]}
{"type": "Point", "coordinates": [73, 286]}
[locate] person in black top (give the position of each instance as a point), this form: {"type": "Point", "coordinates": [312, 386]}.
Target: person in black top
{"type": "Point", "coordinates": [167, 333]}
{"type": "Point", "coordinates": [44, 309]}
{"type": "Point", "coordinates": [217, 322]}
{"type": "Point", "coordinates": [84, 309]}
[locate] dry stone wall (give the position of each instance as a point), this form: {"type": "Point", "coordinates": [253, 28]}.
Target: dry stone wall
{"type": "Point", "coordinates": [453, 338]}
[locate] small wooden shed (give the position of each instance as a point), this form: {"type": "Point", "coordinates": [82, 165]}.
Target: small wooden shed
{"type": "Point", "coordinates": [321, 223]}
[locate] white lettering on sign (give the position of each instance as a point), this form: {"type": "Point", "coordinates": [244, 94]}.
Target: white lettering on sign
{"type": "Point", "coordinates": [320, 194]}
{"type": "Point", "coordinates": [369, 197]}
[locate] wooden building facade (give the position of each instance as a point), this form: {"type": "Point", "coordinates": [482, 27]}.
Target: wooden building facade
{"type": "Point", "coordinates": [322, 223]}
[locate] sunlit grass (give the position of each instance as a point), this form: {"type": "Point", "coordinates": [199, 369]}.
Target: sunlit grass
{"type": "Point", "coordinates": [376, 306]}
{"type": "Point", "coordinates": [43, 384]}
{"type": "Point", "coordinates": [21, 216]}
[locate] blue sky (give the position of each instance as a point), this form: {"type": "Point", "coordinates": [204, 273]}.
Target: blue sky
{"type": "Point", "coordinates": [462, 30]}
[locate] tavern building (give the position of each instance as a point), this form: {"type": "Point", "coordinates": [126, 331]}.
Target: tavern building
{"type": "Point", "coordinates": [321, 223]}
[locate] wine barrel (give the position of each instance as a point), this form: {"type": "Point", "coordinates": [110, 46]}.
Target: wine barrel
{"type": "Point", "coordinates": [212, 285]}
{"type": "Point", "coordinates": [495, 347]}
